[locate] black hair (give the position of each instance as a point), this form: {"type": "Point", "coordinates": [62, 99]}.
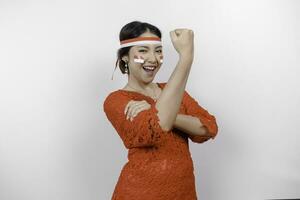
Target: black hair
{"type": "Point", "coordinates": [132, 30]}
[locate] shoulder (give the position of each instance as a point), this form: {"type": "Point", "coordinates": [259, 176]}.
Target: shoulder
{"type": "Point", "coordinates": [113, 100]}
{"type": "Point", "coordinates": [112, 95]}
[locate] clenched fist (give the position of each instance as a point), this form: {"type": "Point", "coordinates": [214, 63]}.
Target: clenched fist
{"type": "Point", "coordinates": [183, 41]}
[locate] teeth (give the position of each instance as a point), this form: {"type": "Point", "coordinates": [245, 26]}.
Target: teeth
{"type": "Point", "coordinates": [151, 68]}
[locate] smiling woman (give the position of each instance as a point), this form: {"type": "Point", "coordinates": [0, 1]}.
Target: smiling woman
{"type": "Point", "coordinates": [146, 47]}
{"type": "Point", "coordinates": [155, 120]}
{"type": "Point", "coordinates": [138, 40]}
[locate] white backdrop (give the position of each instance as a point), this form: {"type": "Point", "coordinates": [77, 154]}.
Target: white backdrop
{"type": "Point", "coordinates": [56, 62]}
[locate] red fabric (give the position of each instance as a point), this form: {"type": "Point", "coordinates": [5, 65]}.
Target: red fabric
{"type": "Point", "coordinates": [159, 164]}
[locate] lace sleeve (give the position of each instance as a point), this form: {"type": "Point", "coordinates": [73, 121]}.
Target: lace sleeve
{"type": "Point", "coordinates": [144, 130]}
{"type": "Point", "coordinates": [193, 108]}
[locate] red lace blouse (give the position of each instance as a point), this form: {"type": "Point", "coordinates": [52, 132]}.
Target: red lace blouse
{"type": "Point", "coordinates": [159, 164]}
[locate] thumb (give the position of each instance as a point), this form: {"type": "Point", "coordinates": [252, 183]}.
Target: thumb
{"type": "Point", "coordinates": [173, 35]}
{"type": "Point", "coordinates": [178, 31]}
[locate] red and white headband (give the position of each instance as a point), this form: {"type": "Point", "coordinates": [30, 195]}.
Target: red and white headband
{"type": "Point", "coordinates": [140, 41]}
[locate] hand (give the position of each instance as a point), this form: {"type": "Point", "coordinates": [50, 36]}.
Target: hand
{"type": "Point", "coordinates": [134, 107]}
{"type": "Point", "coordinates": [183, 41]}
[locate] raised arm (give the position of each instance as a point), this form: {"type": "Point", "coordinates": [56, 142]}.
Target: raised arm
{"type": "Point", "coordinates": [170, 99]}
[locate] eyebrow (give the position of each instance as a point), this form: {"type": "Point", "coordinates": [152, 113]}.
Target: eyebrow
{"type": "Point", "coordinates": [148, 47]}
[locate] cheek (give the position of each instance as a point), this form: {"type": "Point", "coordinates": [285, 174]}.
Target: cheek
{"type": "Point", "coordinates": [161, 59]}
{"type": "Point", "coordinates": [138, 59]}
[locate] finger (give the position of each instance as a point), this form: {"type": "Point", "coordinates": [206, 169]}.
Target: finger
{"type": "Point", "coordinates": [125, 110]}
{"type": "Point", "coordinates": [137, 110]}
{"type": "Point", "coordinates": [134, 108]}
{"type": "Point", "coordinates": [128, 105]}
{"type": "Point", "coordinates": [173, 35]}
{"type": "Point", "coordinates": [178, 31]}
{"type": "Point", "coordinates": [131, 108]}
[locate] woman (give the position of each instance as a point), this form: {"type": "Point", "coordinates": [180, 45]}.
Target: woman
{"type": "Point", "coordinates": [155, 120]}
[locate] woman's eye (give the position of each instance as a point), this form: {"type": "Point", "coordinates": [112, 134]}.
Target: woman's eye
{"type": "Point", "coordinates": [142, 50]}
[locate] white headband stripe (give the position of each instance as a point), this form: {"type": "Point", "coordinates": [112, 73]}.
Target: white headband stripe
{"type": "Point", "coordinates": [140, 43]}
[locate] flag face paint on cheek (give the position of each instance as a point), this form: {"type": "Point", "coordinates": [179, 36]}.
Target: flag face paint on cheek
{"type": "Point", "coordinates": [138, 59]}
{"type": "Point", "coordinates": [161, 59]}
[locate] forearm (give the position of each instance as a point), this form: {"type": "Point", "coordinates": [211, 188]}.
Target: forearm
{"type": "Point", "coordinates": [189, 124]}
{"type": "Point", "coordinates": [170, 99]}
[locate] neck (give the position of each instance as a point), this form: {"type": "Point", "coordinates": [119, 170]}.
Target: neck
{"type": "Point", "coordinates": [149, 91]}
{"type": "Point", "coordinates": [138, 85]}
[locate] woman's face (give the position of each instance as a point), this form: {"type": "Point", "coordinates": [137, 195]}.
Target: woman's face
{"type": "Point", "coordinates": [152, 56]}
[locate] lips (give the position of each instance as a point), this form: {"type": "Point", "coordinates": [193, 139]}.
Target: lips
{"type": "Point", "coordinates": [149, 67]}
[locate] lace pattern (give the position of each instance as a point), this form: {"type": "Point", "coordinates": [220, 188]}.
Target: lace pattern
{"type": "Point", "coordinates": [193, 108]}
{"type": "Point", "coordinates": [160, 165]}
{"type": "Point", "coordinates": [144, 130]}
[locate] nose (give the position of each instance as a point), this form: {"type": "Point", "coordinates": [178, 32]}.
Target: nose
{"type": "Point", "coordinates": [152, 58]}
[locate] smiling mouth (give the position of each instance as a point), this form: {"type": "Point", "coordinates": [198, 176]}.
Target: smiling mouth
{"type": "Point", "coordinates": [149, 68]}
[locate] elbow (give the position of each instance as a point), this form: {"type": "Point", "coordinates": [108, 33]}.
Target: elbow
{"type": "Point", "coordinates": [199, 139]}
{"type": "Point", "coordinates": [204, 134]}
{"type": "Point", "coordinates": [165, 123]}
{"type": "Point", "coordinates": [165, 127]}
{"type": "Point", "coordinates": [211, 131]}
{"type": "Point", "coordinates": [206, 131]}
